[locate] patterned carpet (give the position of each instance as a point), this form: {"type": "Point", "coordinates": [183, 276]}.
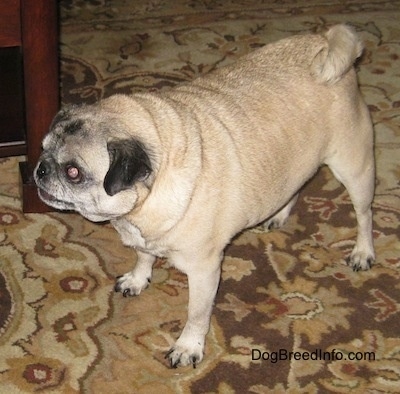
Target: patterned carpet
{"type": "Point", "coordinates": [64, 330]}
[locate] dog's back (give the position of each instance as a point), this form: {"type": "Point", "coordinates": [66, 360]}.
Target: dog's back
{"type": "Point", "coordinates": [273, 115]}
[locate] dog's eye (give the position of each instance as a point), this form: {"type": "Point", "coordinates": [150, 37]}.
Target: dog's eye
{"type": "Point", "coordinates": [73, 173]}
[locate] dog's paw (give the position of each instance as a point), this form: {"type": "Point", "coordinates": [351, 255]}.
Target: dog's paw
{"type": "Point", "coordinates": [281, 217]}
{"type": "Point", "coordinates": [131, 284]}
{"type": "Point", "coordinates": [274, 223]}
{"type": "Point", "coordinates": [360, 261]}
{"type": "Point", "coordinates": [185, 355]}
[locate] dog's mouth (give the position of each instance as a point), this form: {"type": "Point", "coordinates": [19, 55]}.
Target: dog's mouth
{"type": "Point", "coordinates": [51, 200]}
{"type": "Point", "coordinates": [46, 196]}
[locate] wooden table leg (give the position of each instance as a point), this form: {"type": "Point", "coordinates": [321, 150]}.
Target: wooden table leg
{"type": "Point", "coordinates": [41, 85]}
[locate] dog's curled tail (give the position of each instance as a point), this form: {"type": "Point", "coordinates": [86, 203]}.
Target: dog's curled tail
{"type": "Point", "coordinates": [334, 60]}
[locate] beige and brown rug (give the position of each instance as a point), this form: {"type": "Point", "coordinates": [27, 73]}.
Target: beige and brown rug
{"type": "Point", "coordinates": [64, 330]}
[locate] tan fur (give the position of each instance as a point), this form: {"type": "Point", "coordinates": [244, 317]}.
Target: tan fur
{"type": "Point", "coordinates": [228, 151]}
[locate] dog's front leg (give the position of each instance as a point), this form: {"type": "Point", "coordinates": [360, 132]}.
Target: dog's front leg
{"type": "Point", "coordinates": [133, 282]}
{"type": "Point", "coordinates": [203, 285]}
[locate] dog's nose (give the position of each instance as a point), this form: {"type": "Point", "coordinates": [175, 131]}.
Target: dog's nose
{"type": "Point", "coordinates": [42, 170]}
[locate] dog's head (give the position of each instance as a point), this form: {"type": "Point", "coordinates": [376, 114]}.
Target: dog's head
{"type": "Point", "coordinates": [91, 164]}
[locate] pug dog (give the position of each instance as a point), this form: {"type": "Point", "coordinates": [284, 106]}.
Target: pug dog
{"type": "Point", "coordinates": [180, 172]}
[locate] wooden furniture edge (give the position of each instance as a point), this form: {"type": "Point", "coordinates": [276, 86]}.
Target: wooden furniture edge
{"type": "Point", "coordinates": [39, 24]}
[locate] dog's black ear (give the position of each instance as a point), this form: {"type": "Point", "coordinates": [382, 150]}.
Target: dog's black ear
{"type": "Point", "coordinates": [129, 163]}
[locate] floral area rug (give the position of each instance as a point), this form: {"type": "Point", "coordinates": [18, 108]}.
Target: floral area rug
{"type": "Point", "coordinates": [290, 316]}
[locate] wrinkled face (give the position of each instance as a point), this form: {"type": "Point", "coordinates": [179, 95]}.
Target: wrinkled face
{"type": "Point", "coordinates": [84, 169]}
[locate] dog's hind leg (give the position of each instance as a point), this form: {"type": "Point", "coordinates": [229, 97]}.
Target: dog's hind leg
{"type": "Point", "coordinates": [355, 169]}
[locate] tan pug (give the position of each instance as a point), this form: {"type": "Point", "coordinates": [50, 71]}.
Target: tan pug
{"type": "Point", "coordinates": [180, 172]}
